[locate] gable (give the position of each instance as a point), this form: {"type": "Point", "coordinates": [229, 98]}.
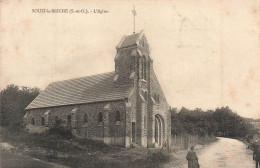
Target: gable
{"type": "Point", "coordinates": [156, 89]}
{"type": "Point", "coordinates": [132, 40]}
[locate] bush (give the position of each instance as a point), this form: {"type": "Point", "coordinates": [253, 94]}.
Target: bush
{"type": "Point", "coordinates": [16, 126]}
{"type": "Point", "coordinates": [159, 157]}
{"type": "Point", "coordinates": [152, 160]}
{"type": "Point", "coordinates": [60, 131]}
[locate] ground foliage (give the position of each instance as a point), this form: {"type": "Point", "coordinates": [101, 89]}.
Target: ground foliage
{"type": "Point", "coordinates": [68, 150]}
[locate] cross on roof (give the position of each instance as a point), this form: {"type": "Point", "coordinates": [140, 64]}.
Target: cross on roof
{"type": "Point", "coordinates": [134, 13]}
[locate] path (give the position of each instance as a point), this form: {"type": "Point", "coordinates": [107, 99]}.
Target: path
{"type": "Point", "coordinates": [228, 153]}
{"type": "Point", "coordinates": [224, 153]}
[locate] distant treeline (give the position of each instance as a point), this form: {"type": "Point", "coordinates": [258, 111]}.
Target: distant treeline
{"type": "Point", "coordinates": [13, 101]}
{"type": "Point", "coordinates": [221, 122]}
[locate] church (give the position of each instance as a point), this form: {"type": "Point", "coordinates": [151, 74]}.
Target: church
{"type": "Point", "coordinates": [126, 107]}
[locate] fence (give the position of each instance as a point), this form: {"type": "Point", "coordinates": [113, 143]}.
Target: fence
{"type": "Point", "coordinates": [185, 141]}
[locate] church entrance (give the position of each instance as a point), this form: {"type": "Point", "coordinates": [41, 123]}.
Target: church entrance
{"type": "Point", "coordinates": [159, 130]}
{"type": "Point", "coordinates": [133, 132]}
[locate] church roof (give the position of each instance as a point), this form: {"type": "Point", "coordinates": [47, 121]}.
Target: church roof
{"type": "Point", "coordinates": [130, 40]}
{"type": "Point", "coordinates": [89, 89]}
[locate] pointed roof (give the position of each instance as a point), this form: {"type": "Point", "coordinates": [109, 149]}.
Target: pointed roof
{"type": "Point", "coordinates": [130, 40]}
{"type": "Point", "coordinates": [89, 89]}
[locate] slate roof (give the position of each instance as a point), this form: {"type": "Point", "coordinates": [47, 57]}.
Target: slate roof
{"type": "Point", "coordinates": [82, 90]}
{"type": "Point", "coordinates": [130, 40]}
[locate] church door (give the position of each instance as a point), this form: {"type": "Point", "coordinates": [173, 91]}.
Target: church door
{"type": "Point", "coordinates": [158, 130]}
{"type": "Point", "coordinates": [133, 132]}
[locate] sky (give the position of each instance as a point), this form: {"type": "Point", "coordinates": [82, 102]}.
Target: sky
{"type": "Point", "coordinates": [206, 53]}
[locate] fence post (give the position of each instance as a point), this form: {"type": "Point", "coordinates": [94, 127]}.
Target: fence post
{"type": "Point", "coordinates": [175, 140]}
{"type": "Point", "coordinates": [181, 142]}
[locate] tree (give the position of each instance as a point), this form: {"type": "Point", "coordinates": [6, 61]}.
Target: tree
{"type": "Point", "coordinates": [222, 122]}
{"type": "Point", "coordinates": [13, 101]}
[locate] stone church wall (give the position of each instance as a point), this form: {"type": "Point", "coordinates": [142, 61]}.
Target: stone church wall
{"type": "Point", "coordinates": [160, 108]}
{"type": "Point", "coordinates": [109, 131]}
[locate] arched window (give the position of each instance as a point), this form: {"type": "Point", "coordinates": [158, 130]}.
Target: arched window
{"type": "Point", "coordinates": [145, 95]}
{"type": "Point", "coordinates": [117, 116]}
{"type": "Point", "coordinates": [33, 121]}
{"type": "Point", "coordinates": [85, 118]}
{"type": "Point", "coordinates": [69, 122]}
{"type": "Point", "coordinates": [100, 117]}
{"type": "Point", "coordinates": [56, 120]}
{"type": "Point", "coordinates": [145, 122]}
{"type": "Point", "coordinates": [42, 120]}
{"type": "Point", "coordinates": [144, 68]}
{"type": "Point", "coordinates": [154, 97]}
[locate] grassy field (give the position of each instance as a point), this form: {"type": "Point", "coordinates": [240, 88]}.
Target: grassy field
{"type": "Point", "coordinates": [64, 149]}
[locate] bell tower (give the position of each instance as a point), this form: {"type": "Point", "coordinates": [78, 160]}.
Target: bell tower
{"type": "Point", "coordinates": [132, 58]}
{"type": "Point", "coordinates": [133, 66]}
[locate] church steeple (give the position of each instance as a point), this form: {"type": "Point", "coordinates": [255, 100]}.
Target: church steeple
{"type": "Point", "coordinates": [132, 57]}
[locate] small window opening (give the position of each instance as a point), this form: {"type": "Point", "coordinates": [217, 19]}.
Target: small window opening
{"type": "Point", "coordinates": [117, 116]}
{"type": "Point", "coordinates": [43, 121]}
{"type": "Point", "coordinates": [145, 95]}
{"type": "Point", "coordinates": [100, 117]}
{"type": "Point", "coordinates": [145, 122]}
{"type": "Point", "coordinates": [56, 120]}
{"type": "Point", "coordinates": [85, 118]}
{"type": "Point", "coordinates": [33, 121]}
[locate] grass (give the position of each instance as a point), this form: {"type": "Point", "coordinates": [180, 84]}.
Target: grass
{"type": "Point", "coordinates": [63, 148]}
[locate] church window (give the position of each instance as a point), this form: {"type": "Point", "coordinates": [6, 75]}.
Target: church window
{"type": "Point", "coordinates": [145, 95]}
{"type": "Point", "coordinates": [156, 98]}
{"type": "Point", "coordinates": [117, 116]}
{"type": "Point", "coordinates": [42, 120]}
{"type": "Point", "coordinates": [33, 121]}
{"type": "Point", "coordinates": [56, 120]}
{"type": "Point", "coordinates": [85, 118]}
{"type": "Point", "coordinates": [100, 117]}
{"type": "Point", "coordinates": [69, 122]}
{"type": "Point", "coordinates": [145, 122]}
{"type": "Point", "coordinates": [144, 68]}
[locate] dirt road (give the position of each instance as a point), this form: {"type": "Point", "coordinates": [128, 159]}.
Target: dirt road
{"type": "Point", "coordinates": [224, 153]}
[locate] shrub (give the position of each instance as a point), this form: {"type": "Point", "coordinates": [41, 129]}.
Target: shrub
{"type": "Point", "coordinates": [60, 131]}
{"type": "Point", "coordinates": [154, 159]}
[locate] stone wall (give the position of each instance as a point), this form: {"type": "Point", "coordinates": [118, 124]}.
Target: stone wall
{"type": "Point", "coordinates": [110, 131]}
{"type": "Point", "coordinates": [160, 107]}
{"type": "Point", "coordinates": [125, 64]}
